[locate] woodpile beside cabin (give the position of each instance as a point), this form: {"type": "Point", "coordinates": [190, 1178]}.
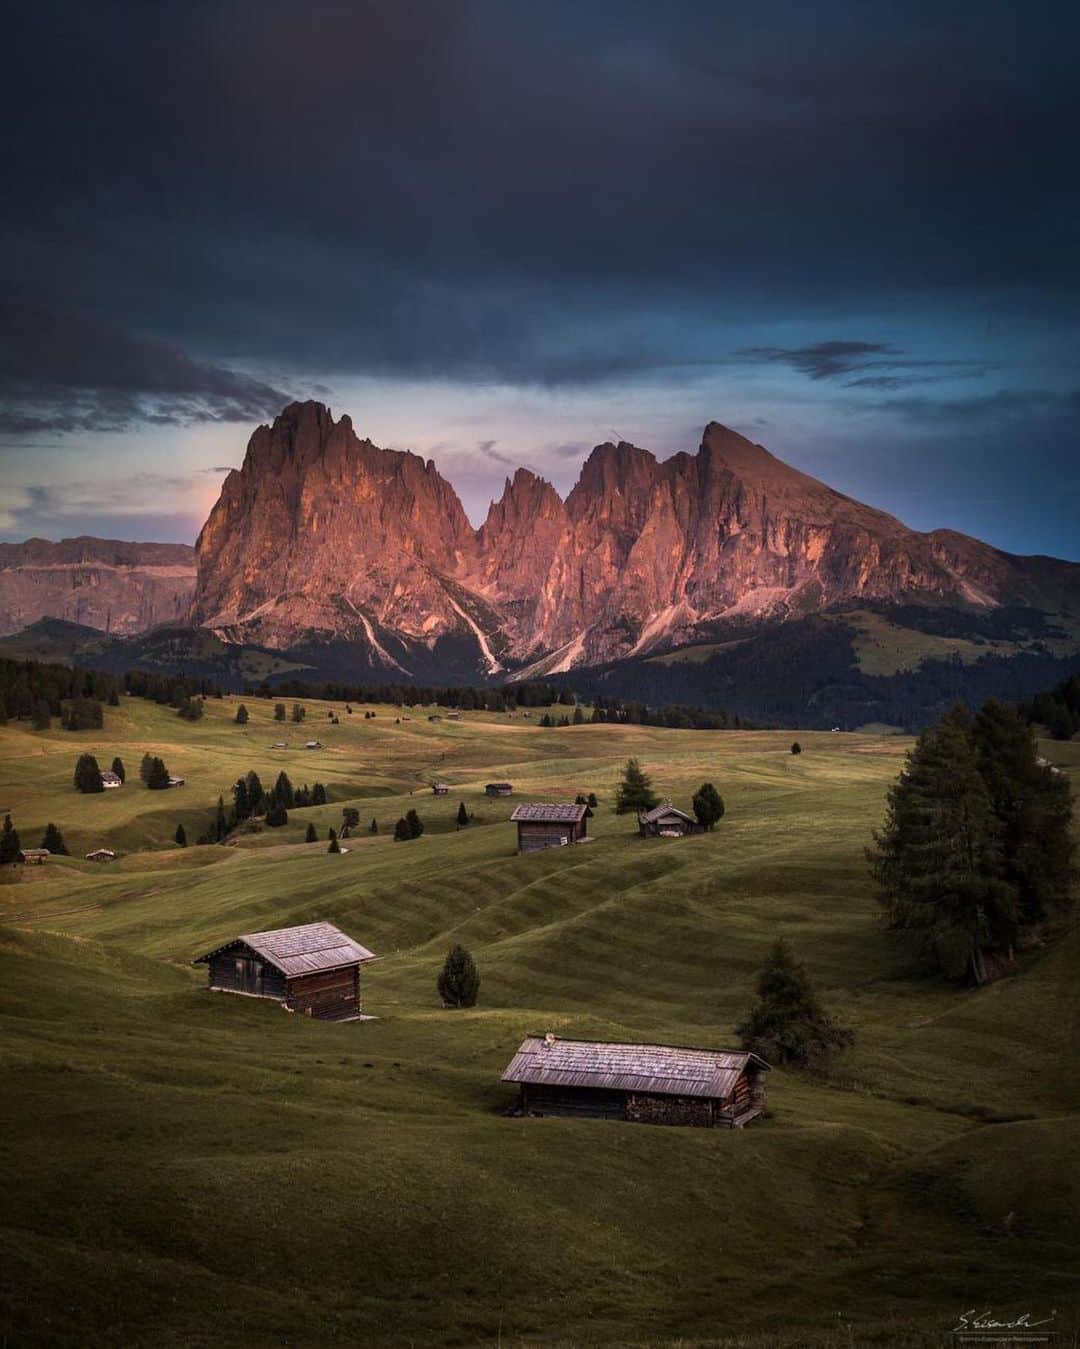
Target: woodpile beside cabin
{"type": "Point", "coordinates": [313, 969]}
{"type": "Point", "coordinates": [667, 821]}
{"type": "Point", "coordinates": [644, 1084]}
{"type": "Point", "coordinates": [542, 825]}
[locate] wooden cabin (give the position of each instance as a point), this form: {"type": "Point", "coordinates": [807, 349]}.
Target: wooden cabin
{"type": "Point", "coordinates": [642, 1084]}
{"type": "Point", "coordinates": [440, 788]}
{"type": "Point", "coordinates": [101, 855]}
{"type": "Point", "coordinates": [313, 744]}
{"type": "Point", "coordinates": [542, 825]}
{"type": "Point", "coordinates": [498, 789]}
{"type": "Point", "coordinates": [176, 782]}
{"type": "Point", "coordinates": [110, 781]}
{"type": "Point", "coordinates": [453, 716]}
{"type": "Point", "coordinates": [313, 969]}
{"type": "Point", "coordinates": [667, 821]}
{"type": "Point", "coordinates": [34, 857]}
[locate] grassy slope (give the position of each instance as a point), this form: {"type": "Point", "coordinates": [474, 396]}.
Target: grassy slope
{"type": "Point", "coordinates": [208, 1161]}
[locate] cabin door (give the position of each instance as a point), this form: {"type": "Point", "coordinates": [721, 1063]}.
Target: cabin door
{"type": "Point", "coordinates": [249, 976]}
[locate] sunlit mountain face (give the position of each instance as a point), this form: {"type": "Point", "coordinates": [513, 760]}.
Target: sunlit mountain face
{"type": "Point", "coordinates": [500, 236]}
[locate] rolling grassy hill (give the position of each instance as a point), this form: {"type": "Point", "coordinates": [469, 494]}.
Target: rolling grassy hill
{"type": "Point", "coordinates": [185, 1168]}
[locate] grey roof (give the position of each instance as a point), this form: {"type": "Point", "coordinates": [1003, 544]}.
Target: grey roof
{"type": "Point", "coordinates": [300, 950]}
{"type": "Point", "coordinates": [552, 814]}
{"type": "Point", "coordinates": [664, 808]}
{"type": "Point", "coordinates": [668, 1070]}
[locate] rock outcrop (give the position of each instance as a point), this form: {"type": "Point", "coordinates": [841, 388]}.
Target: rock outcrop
{"type": "Point", "coordinates": [322, 536]}
{"type": "Point", "coordinates": [119, 588]}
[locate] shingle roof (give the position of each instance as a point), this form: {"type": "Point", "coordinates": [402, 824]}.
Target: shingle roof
{"type": "Point", "coordinates": [668, 1070]}
{"type": "Point", "coordinates": [300, 950]}
{"type": "Point", "coordinates": [549, 813]}
{"type": "Point", "coordinates": [664, 808]}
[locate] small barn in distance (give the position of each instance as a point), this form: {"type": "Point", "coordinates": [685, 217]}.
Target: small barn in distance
{"type": "Point", "coordinates": [667, 821]}
{"type": "Point", "coordinates": [313, 969]}
{"type": "Point", "coordinates": [644, 1084]}
{"type": "Point", "coordinates": [101, 855]}
{"type": "Point", "coordinates": [440, 788]}
{"type": "Point", "coordinates": [34, 857]}
{"type": "Point", "coordinates": [110, 780]}
{"type": "Point", "coordinates": [544, 825]}
{"type": "Point", "coordinates": [499, 789]}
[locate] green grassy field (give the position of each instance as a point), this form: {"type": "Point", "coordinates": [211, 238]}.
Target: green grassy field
{"type": "Point", "coordinates": [187, 1168]}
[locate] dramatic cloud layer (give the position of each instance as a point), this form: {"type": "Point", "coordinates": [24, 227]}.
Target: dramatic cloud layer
{"type": "Point", "coordinates": [777, 223]}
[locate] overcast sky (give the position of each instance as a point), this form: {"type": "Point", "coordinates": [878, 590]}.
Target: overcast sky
{"type": "Point", "coordinates": [502, 232]}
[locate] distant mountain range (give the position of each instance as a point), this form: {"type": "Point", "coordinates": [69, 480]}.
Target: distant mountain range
{"type": "Point", "coordinates": [359, 562]}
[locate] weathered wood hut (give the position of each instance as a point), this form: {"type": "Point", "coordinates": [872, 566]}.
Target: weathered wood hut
{"type": "Point", "coordinates": [314, 969]}
{"type": "Point", "coordinates": [544, 825]}
{"type": "Point", "coordinates": [440, 788]}
{"type": "Point", "coordinates": [499, 789]}
{"type": "Point", "coordinates": [645, 1084]}
{"type": "Point", "coordinates": [667, 821]}
{"type": "Point", "coordinates": [101, 855]}
{"type": "Point", "coordinates": [34, 857]}
{"type": "Point", "coordinates": [110, 780]}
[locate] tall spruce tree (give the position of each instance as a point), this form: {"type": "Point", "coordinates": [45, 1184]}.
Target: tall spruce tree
{"type": "Point", "coordinates": [333, 845]}
{"type": "Point", "coordinates": [279, 711]}
{"type": "Point", "coordinates": [180, 837]}
{"type": "Point", "coordinates": [118, 768]}
{"type": "Point", "coordinates": [635, 791]}
{"type": "Point", "coordinates": [462, 815]}
{"type": "Point", "coordinates": [158, 777]}
{"type": "Point", "coordinates": [145, 765]}
{"type": "Point", "coordinates": [787, 1023]}
{"type": "Point", "coordinates": [459, 980]}
{"type": "Point", "coordinates": [10, 847]}
{"type": "Point", "coordinates": [221, 822]}
{"type": "Point", "coordinates": [88, 774]}
{"type": "Point", "coordinates": [938, 857]}
{"type": "Point", "coordinates": [312, 835]}
{"type": "Point", "coordinates": [283, 791]}
{"type": "Point", "coordinates": [1033, 806]}
{"type": "Point", "coordinates": [53, 841]}
{"type": "Point", "coordinates": [241, 715]}
{"type": "Point", "coordinates": [415, 824]}
{"type": "Point", "coordinates": [401, 831]}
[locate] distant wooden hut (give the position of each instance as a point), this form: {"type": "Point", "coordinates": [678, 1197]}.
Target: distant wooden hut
{"type": "Point", "coordinates": [499, 789]}
{"type": "Point", "coordinates": [667, 821]}
{"type": "Point", "coordinates": [453, 716]}
{"type": "Point", "coordinates": [34, 857]}
{"type": "Point", "coordinates": [545, 825]}
{"type": "Point", "coordinates": [110, 781]}
{"type": "Point", "coordinates": [643, 1084]}
{"type": "Point", "coordinates": [314, 969]}
{"type": "Point", "coordinates": [176, 782]}
{"type": "Point", "coordinates": [101, 855]}
{"type": "Point", "coordinates": [440, 788]}
{"type": "Point", "coordinates": [313, 744]}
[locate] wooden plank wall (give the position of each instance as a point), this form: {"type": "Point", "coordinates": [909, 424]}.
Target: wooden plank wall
{"type": "Point", "coordinates": [330, 995]}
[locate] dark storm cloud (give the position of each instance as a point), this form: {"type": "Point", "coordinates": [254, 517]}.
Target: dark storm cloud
{"type": "Point", "coordinates": [822, 360]}
{"type": "Point", "coordinates": [64, 371]}
{"type": "Point", "coordinates": [836, 359]}
{"type": "Point", "coordinates": [516, 191]}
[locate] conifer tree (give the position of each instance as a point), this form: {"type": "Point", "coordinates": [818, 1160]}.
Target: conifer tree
{"type": "Point", "coordinates": [241, 715]}
{"type": "Point", "coordinates": [350, 816]}
{"type": "Point", "coordinates": [256, 797]}
{"type": "Point", "coordinates": [53, 840]}
{"type": "Point", "coordinates": [10, 847]}
{"type": "Point", "coordinates": [283, 791]}
{"type": "Point", "coordinates": [796, 748]}
{"type": "Point", "coordinates": [312, 835]}
{"type": "Point", "coordinates": [708, 805]}
{"type": "Point", "coordinates": [635, 791]}
{"type": "Point", "coordinates": [144, 767]}
{"type": "Point", "coordinates": [1033, 807]}
{"type": "Point", "coordinates": [415, 824]}
{"type": "Point", "coordinates": [592, 801]}
{"type": "Point", "coordinates": [221, 823]}
{"type": "Point", "coordinates": [938, 857]}
{"type": "Point", "coordinates": [42, 716]}
{"type": "Point", "coordinates": [88, 774]}
{"type": "Point", "coordinates": [158, 777]}
{"type": "Point", "coordinates": [276, 815]}
{"type": "Point", "coordinates": [787, 1024]}
{"type": "Point", "coordinates": [401, 831]}
{"type": "Point", "coordinates": [374, 827]}
{"type": "Point", "coordinates": [180, 837]}
{"type": "Point", "coordinates": [459, 980]}
{"type": "Point", "coordinates": [462, 815]}
{"type": "Point", "coordinates": [119, 769]}
{"type": "Point", "coordinates": [333, 845]}
{"type": "Point", "coordinates": [241, 806]}
{"type": "Point", "coordinates": [298, 712]}
{"type": "Point", "coordinates": [318, 795]}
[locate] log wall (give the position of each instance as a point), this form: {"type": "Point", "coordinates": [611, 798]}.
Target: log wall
{"type": "Point", "coordinates": [331, 995]}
